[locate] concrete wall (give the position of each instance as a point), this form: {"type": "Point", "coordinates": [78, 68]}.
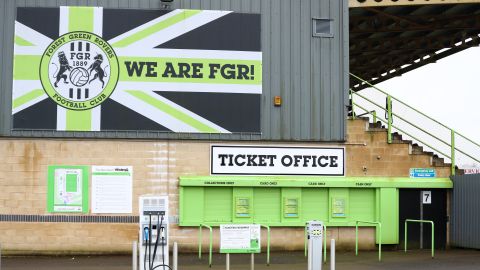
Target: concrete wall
{"type": "Point", "coordinates": [156, 168]}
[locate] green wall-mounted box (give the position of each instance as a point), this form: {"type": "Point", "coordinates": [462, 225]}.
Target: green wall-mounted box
{"type": "Point", "coordinates": [291, 202]}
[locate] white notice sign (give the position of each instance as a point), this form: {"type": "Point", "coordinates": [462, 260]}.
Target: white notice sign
{"type": "Point", "coordinates": [240, 238]}
{"type": "Point", "coordinates": [112, 189]}
{"type": "Point", "coordinates": [270, 160]}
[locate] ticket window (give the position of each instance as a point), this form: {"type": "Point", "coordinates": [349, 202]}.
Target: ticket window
{"type": "Point", "coordinates": [242, 207]}
{"type": "Point", "coordinates": [290, 208]}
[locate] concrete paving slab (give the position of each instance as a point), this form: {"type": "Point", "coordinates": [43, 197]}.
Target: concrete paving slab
{"type": "Point", "coordinates": [392, 260]}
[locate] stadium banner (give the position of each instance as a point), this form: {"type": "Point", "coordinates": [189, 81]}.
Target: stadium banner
{"type": "Point", "coordinates": [96, 69]}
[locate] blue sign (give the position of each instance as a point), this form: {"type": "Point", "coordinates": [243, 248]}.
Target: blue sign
{"type": "Point", "coordinates": [422, 173]}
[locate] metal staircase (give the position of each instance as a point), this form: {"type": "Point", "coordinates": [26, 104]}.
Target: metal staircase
{"type": "Point", "coordinates": [408, 125]}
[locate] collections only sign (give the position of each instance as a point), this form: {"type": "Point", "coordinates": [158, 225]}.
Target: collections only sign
{"type": "Point", "coordinates": [91, 69]}
{"type": "Point", "coordinates": [253, 160]}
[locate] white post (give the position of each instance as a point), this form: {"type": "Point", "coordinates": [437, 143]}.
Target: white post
{"type": "Point", "coordinates": [309, 255]}
{"type": "Point", "coordinates": [134, 255]}
{"type": "Point", "coordinates": [175, 256]}
{"type": "Point", "coordinates": [228, 261]}
{"type": "Point", "coordinates": [332, 254]}
{"type": "Point", "coordinates": [252, 261]}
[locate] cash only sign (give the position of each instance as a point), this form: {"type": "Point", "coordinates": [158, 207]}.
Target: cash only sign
{"type": "Point", "coordinates": [276, 160]}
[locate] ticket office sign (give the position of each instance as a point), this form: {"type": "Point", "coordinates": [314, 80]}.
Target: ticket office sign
{"type": "Point", "coordinates": [269, 160]}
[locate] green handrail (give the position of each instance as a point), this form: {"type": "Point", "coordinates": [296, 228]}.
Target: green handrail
{"type": "Point", "coordinates": [200, 243]}
{"type": "Point", "coordinates": [396, 99]}
{"type": "Point", "coordinates": [324, 243]}
{"type": "Point", "coordinates": [305, 242]}
{"type": "Point", "coordinates": [379, 224]}
{"type": "Point", "coordinates": [452, 132]}
{"type": "Point", "coordinates": [470, 140]}
{"type": "Point", "coordinates": [405, 120]}
{"type": "Point", "coordinates": [268, 242]}
{"type": "Point", "coordinates": [408, 134]}
{"type": "Point", "coordinates": [430, 118]}
{"type": "Point", "coordinates": [353, 107]}
{"type": "Point", "coordinates": [405, 104]}
{"type": "Point", "coordinates": [452, 145]}
{"type": "Point", "coordinates": [389, 112]}
{"type": "Point", "coordinates": [421, 221]}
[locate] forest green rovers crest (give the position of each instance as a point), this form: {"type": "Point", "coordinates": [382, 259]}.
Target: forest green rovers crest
{"type": "Point", "coordinates": [79, 70]}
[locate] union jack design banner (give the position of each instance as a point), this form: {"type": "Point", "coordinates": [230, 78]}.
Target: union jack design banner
{"type": "Point", "coordinates": [95, 69]}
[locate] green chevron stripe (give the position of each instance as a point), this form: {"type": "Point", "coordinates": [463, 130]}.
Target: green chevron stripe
{"type": "Point", "coordinates": [22, 42]}
{"type": "Point", "coordinates": [27, 97]}
{"type": "Point", "coordinates": [80, 19]}
{"type": "Point", "coordinates": [26, 67]}
{"type": "Point", "coordinates": [181, 116]}
{"type": "Point", "coordinates": [155, 28]}
{"type": "Point", "coordinates": [79, 120]}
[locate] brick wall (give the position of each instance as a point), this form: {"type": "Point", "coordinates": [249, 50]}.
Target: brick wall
{"type": "Point", "coordinates": [156, 168]}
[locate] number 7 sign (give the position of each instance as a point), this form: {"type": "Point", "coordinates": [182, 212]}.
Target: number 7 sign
{"type": "Point", "coordinates": [427, 197]}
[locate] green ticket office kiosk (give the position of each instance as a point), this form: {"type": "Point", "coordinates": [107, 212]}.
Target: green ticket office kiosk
{"type": "Point", "coordinates": [292, 201]}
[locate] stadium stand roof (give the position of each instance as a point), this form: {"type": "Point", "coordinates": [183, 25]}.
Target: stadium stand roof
{"type": "Point", "coordinates": [390, 38]}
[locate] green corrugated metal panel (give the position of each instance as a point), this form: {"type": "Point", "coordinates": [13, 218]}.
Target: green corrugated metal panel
{"type": "Point", "coordinates": [368, 199]}
{"type": "Point", "coordinates": [388, 204]}
{"type": "Point", "coordinates": [267, 205]}
{"type": "Point", "coordinates": [191, 205]}
{"type": "Point", "coordinates": [218, 204]}
{"type": "Point", "coordinates": [316, 181]}
{"type": "Point", "coordinates": [215, 205]}
{"type": "Point", "coordinates": [362, 204]}
{"type": "Point", "coordinates": [315, 203]}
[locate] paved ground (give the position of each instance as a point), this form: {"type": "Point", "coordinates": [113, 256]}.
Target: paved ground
{"type": "Point", "coordinates": [392, 260]}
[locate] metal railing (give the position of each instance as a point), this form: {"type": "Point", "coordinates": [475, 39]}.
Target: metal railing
{"type": "Point", "coordinates": [210, 250]}
{"type": "Point", "coordinates": [200, 243]}
{"type": "Point", "coordinates": [305, 242]}
{"type": "Point", "coordinates": [421, 221]}
{"type": "Point", "coordinates": [268, 242]}
{"type": "Point", "coordinates": [389, 114]}
{"type": "Point", "coordinates": [379, 225]}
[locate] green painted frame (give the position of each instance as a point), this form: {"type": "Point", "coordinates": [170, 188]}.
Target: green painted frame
{"type": "Point", "coordinates": [421, 221]}
{"type": "Point", "coordinates": [193, 198]}
{"type": "Point", "coordinates": [379, 226]}
{"type": "Point", "coordinates": [314, 181]}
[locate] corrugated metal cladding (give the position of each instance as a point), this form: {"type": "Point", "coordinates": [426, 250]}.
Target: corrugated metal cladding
{"type": "Point", "coordinates": [309, 73]}
{"type": "Point", "coordinates": [465, 211]}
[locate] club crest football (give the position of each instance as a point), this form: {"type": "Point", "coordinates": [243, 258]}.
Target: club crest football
{"type": "Point", "coordinates": [79, 70]}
